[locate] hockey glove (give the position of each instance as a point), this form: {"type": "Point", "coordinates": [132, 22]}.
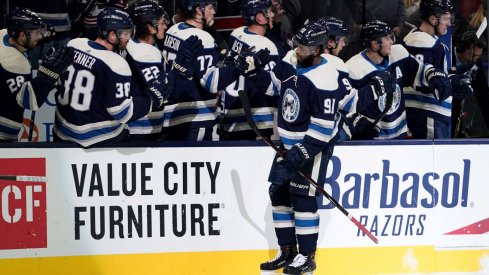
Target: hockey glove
{"type": "Point", "coordinates": [48, 31]}
{"type": "Point", "coordinates": [187, 55]}
{"type": "Point", "coordinates": [295, 158]}
{"type": "Point", "coordinates": [383, 83]}
{"type": "Point", "coordinates": [439, 84]}
{"type": "Point", "coordinates": [55, 63]}
{"type": "Point", "coordinates": [363, 128]}
{"type": "Point", "coordinates": [157, 98]}
{"type": "Point", "coordinates": [248, 62]}
{"type": "Point", "coordinates": [461, 86]}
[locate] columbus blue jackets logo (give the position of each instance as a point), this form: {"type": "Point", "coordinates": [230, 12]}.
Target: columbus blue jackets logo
{"type": "Point", "coordinates": [396, 101]}
{"type": "Point", "coordinates": [290, 106]}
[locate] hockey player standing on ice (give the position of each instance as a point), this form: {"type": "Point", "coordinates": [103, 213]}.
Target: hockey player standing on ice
{"type": "Point", "coordinates": [312, 90]}
{"type": "Point", "coordinates": [429, 114]}
{"type": "Point", "coordinates": [258, 17]}
{"type": "Point", "coordinates": [190, 113]}
{"type": "Point", "coordinates": [96, 102]}
{"type": "Point", "coordinates": [19, 90]}
{"type": "Point", "coordinates": [381, 55]}
{"type": "Point", "coordinates": [146, 63]}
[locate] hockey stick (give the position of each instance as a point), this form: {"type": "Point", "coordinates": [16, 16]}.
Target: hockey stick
{"type": "Point", "coordinates": [389, 98]}
{"type": "Point", "coordinates": [31, 126]}
{"type": "Point", "coordinates": [24, 178]}
{"type": "Point", "coordinates": [249, 117]}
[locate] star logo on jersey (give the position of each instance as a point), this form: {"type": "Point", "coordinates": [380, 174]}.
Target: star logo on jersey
{"type": "Point", "coordinates": [290, 105]}
{"type": "Point", "coordinates": [396, 101]}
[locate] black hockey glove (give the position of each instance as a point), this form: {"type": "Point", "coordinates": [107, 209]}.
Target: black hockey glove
{"type": "Point", "coordinates": [439, 84]}
{"type": "Point", "coordinates": [187, 55]}
{"type": "Point", "coordinates": [48, 31]}
{"type": "Point", "coordinates": [461, 86]}
{"type": "Point", "coordinates": [157, 98]}
{"type": "Point", "coordinates": [383, 83]}
{"type": "Point", "coordinates": [55, 63]}
{"type": "Point", "coordinates": [296, 157]}
{"type": "Point", "coordinates": [363, 128]}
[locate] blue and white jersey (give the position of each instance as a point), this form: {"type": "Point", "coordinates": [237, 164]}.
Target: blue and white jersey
{"type": "Point", "coordinates": [146, 63]}
{"type": "Point", "coordinates": [263, 101]}
{"type": "Point", "coordinates": [309, 101]}
{"type": "Point", "coordinates": [18, 90]}
{"type": "Point", "coordinates": [190, 103]}
{"type": "Point", "coordinates": [356, 100]}
{"type": "Point", "coordinates": [95, 104]}
{"type": "Point", "coordinates": [407, 70]}
{"type": "Point", "coordinates": [430, 50]}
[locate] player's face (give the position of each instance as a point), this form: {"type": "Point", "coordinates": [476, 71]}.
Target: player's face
{"type": "Point", "coordinates": [444, 22]}
{"type": "Point", "coordinates": [209, 12]}
{"type": "Point", "coordinates": [124, 37]}
{"type": "Point", "coordinates": [305, 55]}
{"type": "Point", "coordinates": [386, 43]}
{"type": "Point", "coordinates": [31, 38]}
{"type": "Point", "coordinates": [342, 42]}
{"type": "Point", "coordinates": [162, 27]}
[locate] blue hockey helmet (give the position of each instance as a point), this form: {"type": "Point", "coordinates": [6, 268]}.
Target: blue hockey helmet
{"type": "Point", "coordinates": [22, 20]}
{"type": "Point", "coordinates": [374, 31]}
{"type": "Point", "coordinates": [250, 8]}
{"type": "Point", "coordinates": [147, 11]}
{"type": "Point", "coordinates": [113, 19]}
{"type": "Point", "coordinates": [188, 6]}
{"type": "Point", "coordinates": [312, 34]}
{"type": "Point", "coordinates": [337, 28]}
{"type": "Point", "coordinates": [436, 8]}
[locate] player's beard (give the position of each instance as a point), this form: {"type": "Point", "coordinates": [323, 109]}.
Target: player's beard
{"type": "Point", "coordinates": [307, 62]}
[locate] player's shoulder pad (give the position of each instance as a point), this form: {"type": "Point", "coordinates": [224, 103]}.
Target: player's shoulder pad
{"type": "Point", "coordinates": [112, 60]}
{"type": "Point", "coordinates": [336, 61]}
{"type": "Point", "coordinates": [398, 52]}
{"type": "Point", "coordinates": [325, 76]}
{"type": "Point", "coordinates": [11, 59]}
{"type": "Point", "coordinates": [359, 67]}
{"type": "Point", "coordinates": [260, 42]}
{"type": "Point", "coordinates": [183, 31]}
{"type": "Point", "coordinates": [419, 39]}
{"type": "Point", "coordinates": [290, 58]}
{"type": "Point", "coordinates": [143, 52]}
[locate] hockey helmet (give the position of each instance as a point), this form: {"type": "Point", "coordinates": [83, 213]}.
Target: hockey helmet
{"type": "Point", "coordinates": [310, 36]}
{"type": "Point", "coordinates": [374, 31]}
{"type": "Point", "coordinates": [188, 6]}
{"type": "Point", "coordinates": [337, 28]}
{"type": "Point", "coordinates": [113, 19]}
{"type": "Point", "coordinates": [23, 20]}
{"type": "Point", "coordinates": [147, 11]}
{"type": "Point", "coordinates": [250, 8]}
{"type": "Point", "coordinates": [436, 8]}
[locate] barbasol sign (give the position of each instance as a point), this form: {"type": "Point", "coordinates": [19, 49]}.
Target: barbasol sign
{"type": "Point", "coordinates": [355, 190]}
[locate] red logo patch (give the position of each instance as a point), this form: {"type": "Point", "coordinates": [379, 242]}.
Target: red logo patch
{"type": "Point", "coordinates": [22, 205]}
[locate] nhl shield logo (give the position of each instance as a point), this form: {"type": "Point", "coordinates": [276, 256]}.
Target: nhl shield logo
{"type": "Point", "coordinates": [290, 106]}
{"type": "Point", "coordinates": [396, 101]}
